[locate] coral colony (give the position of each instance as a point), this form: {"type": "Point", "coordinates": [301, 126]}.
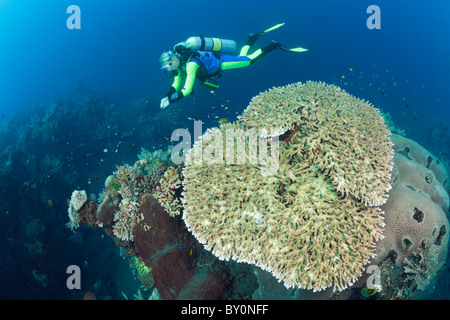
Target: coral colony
{"type": "Point", "coordinates": [342, 193]}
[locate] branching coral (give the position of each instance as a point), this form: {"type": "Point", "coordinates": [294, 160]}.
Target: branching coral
{"type": "Point", "coordinates": [423, 266]}
{"type": "Point", "coordinates": [166, 191]}
{"type": "Point", "coordinates": [151, 175]}
{"type": "Point", "coordinates": [307, 223]}
{"type": "Point", "coordinates": [130, 185]}
{"type": "Point", "coordinates": [126, 218]}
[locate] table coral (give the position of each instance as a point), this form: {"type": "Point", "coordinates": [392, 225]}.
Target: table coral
{"type": "Point", "coordinates": [345, 137]}
{"type": "Point", "coordinates": [307, 223]}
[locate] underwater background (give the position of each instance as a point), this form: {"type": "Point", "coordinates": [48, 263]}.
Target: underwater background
{"type": "Point", "coordinates": [77, 103]}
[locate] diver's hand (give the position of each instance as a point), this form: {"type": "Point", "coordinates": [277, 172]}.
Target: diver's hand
{"type": "Point", "coordinates": [164, 102]}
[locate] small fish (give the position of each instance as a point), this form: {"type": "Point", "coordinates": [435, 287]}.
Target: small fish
{"type": "Point", "coordinates": [190, 252]}
{"type": "Point", "coordinates": [383, 93]}
{"type": "Point", "coordinates": [115, 186]}
{"type": "Point", "coordinates": [223, 120]}
{"type": "Point", "coordinates": [95, 180]}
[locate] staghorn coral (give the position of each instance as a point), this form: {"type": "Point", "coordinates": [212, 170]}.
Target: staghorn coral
{"type": "Point", "coordinates": [307, 223]}
{"type": "Point", "coordinates": [125, 219]}
{"type": "Point", "coordinates": [166, 191]}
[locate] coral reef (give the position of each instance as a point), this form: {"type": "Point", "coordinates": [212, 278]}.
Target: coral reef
{"type": "Point", "coordinates": [412, 253]}
{"type": "Point", "coordinates": [414, 248]}
{"type": "Point", "coordinates": [165, 257]}
{"type": "Point", "coordinates": [339, 200]}
{"type": "Point", "coordinates": [82, 211]}
{"type": "Point", "coordinates": [131, 184]}
{"type": "Point", "coordinates": [309, 223]}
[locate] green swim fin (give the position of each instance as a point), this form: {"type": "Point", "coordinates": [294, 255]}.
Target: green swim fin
{"type": "Point", "coordinates": [271, 29]}
{"type": "Point", "coordinates": [296, 49]}
{"type": "Point", "coordinates": [281, 47]}
{"type": "Point", "coordinates": [259, 34]}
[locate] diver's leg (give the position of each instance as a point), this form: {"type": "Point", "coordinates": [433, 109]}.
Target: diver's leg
{"type": "Point", "coordinates": [252, 37]}
{"type": "Point", "coordinates": [251, 40]}
{"type": "Point", "coordinates": [258, 54]}
{"type": "Point", "coordinates": [234, 62]}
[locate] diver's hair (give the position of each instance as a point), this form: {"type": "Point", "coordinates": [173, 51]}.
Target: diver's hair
{"type": "Point", "coordinates": [166, 56]}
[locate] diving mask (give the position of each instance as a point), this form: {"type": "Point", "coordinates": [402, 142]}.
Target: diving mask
{"type": "Point", "coordinates": [169, 70]}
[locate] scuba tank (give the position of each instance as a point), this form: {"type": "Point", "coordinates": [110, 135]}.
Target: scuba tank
{"type": "Point", "coordinates": [200, 43]}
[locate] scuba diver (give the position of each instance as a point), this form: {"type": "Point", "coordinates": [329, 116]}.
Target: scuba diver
{"type": "Point", "coordinates": [205, 59]}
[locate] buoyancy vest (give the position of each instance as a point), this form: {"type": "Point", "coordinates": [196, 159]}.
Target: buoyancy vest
{"type": "Point", "coordinates": [209, 62]}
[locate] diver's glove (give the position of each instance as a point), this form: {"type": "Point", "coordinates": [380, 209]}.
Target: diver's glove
{"type": "Point", "coordinates": [164, 102]}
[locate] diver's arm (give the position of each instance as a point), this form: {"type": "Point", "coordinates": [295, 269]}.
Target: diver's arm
{"type": "Point", "coordinates": [173, 89]}
{"type": "Point", "coordinates": [191, 71]}
{"type": "Point", "coordinates": [176, 84]}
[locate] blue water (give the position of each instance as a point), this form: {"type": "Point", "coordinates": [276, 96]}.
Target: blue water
{"type": "Point", "coordinates": [117, 48]}
{"type": "Point", "coordinates": [402, 68]}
